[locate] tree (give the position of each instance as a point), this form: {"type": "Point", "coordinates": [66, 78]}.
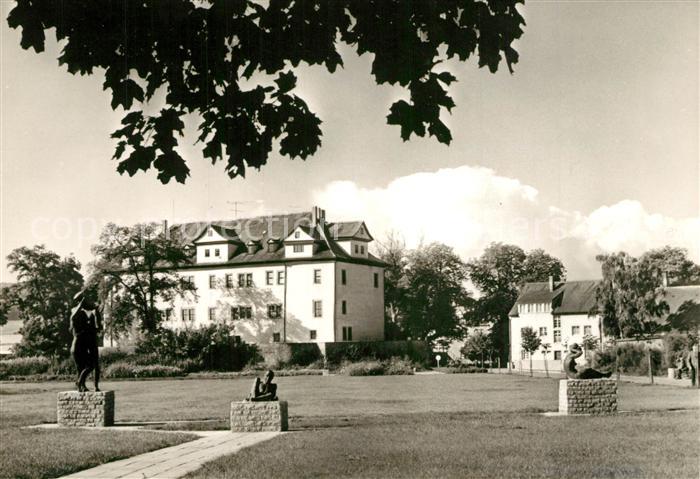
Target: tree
{"type": "Point", "coordinates": [589, 343]}
{"type": "Point", "coordinates": [673, 262]}
{"type": "Point", "coordinates": [393, 252]}
{"type": "Point", "coordinates": [530, 342]}
{"type": "Point", "coordinates": [631, 298]}
{"type": "Point", "coordinates": [215, 60]}
{"type": "Point", "coordinates": [498, 274]}
{"type": "Point", "coordinates": [545, 351]}
{"type": "Point", "coordinates": [43, 296]}
{"type": "Point", "coordinates": [138, 265]}
{"type": "Point", "coordinates": [539, 266]}
{"type": "Point", "coordinates": [477, 344]}
{"type": "Point", "coordinates": [435, 277]}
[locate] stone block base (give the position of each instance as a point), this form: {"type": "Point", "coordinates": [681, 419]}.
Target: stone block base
{"type": "Point", "coordinates": [247, 416]}
{"type": "Point", "coordinates": [587, 396]}
{"type": "Point", "coordinates": [76, 409]}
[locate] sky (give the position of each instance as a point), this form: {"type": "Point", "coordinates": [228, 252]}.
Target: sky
{"type": "Point", "coordinates": [591, 146]}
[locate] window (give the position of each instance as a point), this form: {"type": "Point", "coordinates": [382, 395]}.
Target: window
{"type": "Point", "coordinates": [524, 354]}
{"type": "Point", "coordinates": [237, 340]}
{"type": "Point", "coordinates": [575, 330]}
{"type": "Point", "coordinates": [187, 314]}
{"type": "Point", "coordinates": [376, 280]}
{"type": "Point", "coordinates": [280, 277]}
{"type": "Point", "coordinates": [217, 253]}
{"type": "Point", "coordinates": [297, 234]}
{"type": "Point", "coordinates": [343, 277]}
{"type": "Point", "coordinates": [557, 355]}
{"type": "Point", "coordinates": [362, 250]}
{"type": "Point", "coordinates": [317, 276]}
{"type": "Point", "coordinates": [557, 336]}
{"type": "Point", "coordinates": [522, 331]}
{"type": "Point", "coordinates": [206, 253]}
{"type": "Point", "coordinates": [275, 337]}
{"type": "Point", "coordinates": [229, 281]}
{"type": "Point", "coordinates": [543, 331]}
{"type": "Point", "coordinates": [557, 321]}
{"type": "Point", "coordinates": [347, 333]}
{"type": "Point", "coordinates": [212, 314]}
{"type": "Point", "coordinates": [274, 311]}
{"type": "Point", "coordinates": [357, 249]}
{"type": "Point", "coordinates": [269, 276]}
{"type": "Point", "coordinates": [318, 309]}
{"type": "Point", "coordinates": [241, 312]}
{"type": "Point", "coordinates": [188, 279]}
{"type": "Point", "coordinates": [168, 314]}
{"type": "Point", "coordinates": [210, 232]}
{"type": "Point", "coordinates": [212, 281]}
{"type": "Point", "coordinates": [312, 334]}
{"type": "Point", "coordinates": [587, 330]}
{"type": "Point", "coordinates": [344, 307]}
{"type": "Point", "coordinates": [298, 248]}
{"type": "Point", "coordinates": [245, 280]}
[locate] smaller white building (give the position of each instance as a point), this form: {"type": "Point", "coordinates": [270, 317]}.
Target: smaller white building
{"type": "Point", "coordinates": [560, 313]}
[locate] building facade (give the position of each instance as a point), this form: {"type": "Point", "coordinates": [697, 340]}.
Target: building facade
{"type": "Point", "coordinates": [285, 278]}
{"type": "Point", "coordinates": [560, 313]}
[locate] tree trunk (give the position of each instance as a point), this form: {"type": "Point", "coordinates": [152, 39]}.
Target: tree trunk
{"type": "Point", "coordinates": [546, 368]}
{"type": "Point", "coordinates": [530, 364]}
{"type": "Point", "coordinates": [651, 373]}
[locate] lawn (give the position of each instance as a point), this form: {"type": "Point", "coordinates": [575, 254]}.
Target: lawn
{"type": "Point", "coordinates": [425, 425]}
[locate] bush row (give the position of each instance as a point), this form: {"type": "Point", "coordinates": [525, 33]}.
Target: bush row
{"type": "Point", "coordinates": [413, 351]}
{"type": "Point", "coordinates": [631, 359]}
{"type": "Point", "coordinates": [393, 366]}
{"type": "Point", "coordinates": [464, 369]}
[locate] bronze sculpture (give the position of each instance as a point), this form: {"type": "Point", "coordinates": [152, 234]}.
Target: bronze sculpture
{"type": "Point", "coordinates": [85, 325]}
{"type": "Point", "coordinates": [264, 391]}
{"type": "Point", "coordinates": [575, 351]}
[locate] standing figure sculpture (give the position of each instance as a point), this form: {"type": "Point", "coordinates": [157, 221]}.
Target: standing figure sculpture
{"type": "Point", "coordinates": [85, 325]}
{"type": "Point", "coordinates": [575, 352]}
{"type": "Point", "coordinates": [264, 391]}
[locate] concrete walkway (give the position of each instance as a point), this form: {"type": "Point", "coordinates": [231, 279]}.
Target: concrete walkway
{"type": "Point", "coordinates": [176, 461]}
{"type": "Point", "coordinates": [660, 380]}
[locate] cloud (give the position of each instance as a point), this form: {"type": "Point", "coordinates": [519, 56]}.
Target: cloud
{"type": "Point", "coordinates": [469, 207]}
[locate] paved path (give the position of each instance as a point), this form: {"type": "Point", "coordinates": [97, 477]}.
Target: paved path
{"type": "Point", "coordinates": [660, 380]}
{"type": "Point", "coordinates": [176, 461]}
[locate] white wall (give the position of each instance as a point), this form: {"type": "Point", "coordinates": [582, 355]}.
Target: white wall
{"type": "Point", "coordinates": [365, 303]}
{"type": "Point", "coordinates": [301, 293]}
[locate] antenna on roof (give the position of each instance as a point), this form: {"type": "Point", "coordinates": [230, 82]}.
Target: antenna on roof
{"type": "Point", "coordinates": [236, 209]}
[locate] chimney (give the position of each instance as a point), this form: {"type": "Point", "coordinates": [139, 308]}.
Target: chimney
{"type": "Point", "coordinates": [272, 245]}
{"type": "Point", "coordinates": [252, 246]}
{"type": "Point", "coordinates": [551, 283]}
{"type": "Point", "coordinates": [318, 215]}
{"type": "Point", "coordinates": [166, 231]}
{"type": "Point", "coordinates": [664, 279]}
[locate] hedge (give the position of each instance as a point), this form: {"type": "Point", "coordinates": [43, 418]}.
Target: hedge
{"type": "Point", "coordinates": [126, 369]}
{"type": "Point", "coordinates": [24, 366]}
{"type": "Point", "coordinates": [394, 366]}
{"type": "Point", "coordinates": [415, 351]}
{"type": "Point", "coordinates": [276, 355]}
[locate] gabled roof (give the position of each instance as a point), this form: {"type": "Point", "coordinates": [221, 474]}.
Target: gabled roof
{"type": "Point", "coordinates": [572, 297]}
{"type": "Point", "coordinates": [348, 229]}
{"type": "Point", "coordinates": [228, 234]}
{"type": "Point", "coordinates": [277, 227]}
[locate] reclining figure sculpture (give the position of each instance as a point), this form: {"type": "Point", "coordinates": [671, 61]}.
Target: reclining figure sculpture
{"type": "Point", "coordinates": [264, 391]}
{"type": "Point", "coordinates": [575, 351]}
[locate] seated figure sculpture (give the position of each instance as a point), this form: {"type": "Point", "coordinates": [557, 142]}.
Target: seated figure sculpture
{"type": "Point", "coordinates": [575, 351]}
{"type": "Point", "coordinates": [264, 390]}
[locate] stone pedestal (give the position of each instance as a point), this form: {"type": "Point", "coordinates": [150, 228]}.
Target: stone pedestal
{"type": "Point", "coordinates": [76, 409]}
{"type": "Point", "coordinates": [587, 396]}
{"type": "Point", "coordinates": [247, 416]}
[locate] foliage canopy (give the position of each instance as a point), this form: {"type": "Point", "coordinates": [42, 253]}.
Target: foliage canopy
{"type": "Point", "coordinates": [215, 59]}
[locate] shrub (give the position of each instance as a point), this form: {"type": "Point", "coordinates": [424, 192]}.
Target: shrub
{"type": "Point", "coordinates": [674, 345]}
{"type": "Point", "coordinates": [363, 368]}
{"type": "Point", "coordinates": [415, 351]}
{"type": "Point", "coordinates": [63, 367]}
{"type": "Point", "coordinates": [24, 366]}
{"type": "Point", "coordinates": [631, 359]}
{"type": "Point", "coordinates": [464, 369]}
{"type": "Point", "coordinates": [127, 369]}
{"type": "Point", "coordinates": [278, 355]}
{"type": "Point", "coordinates": [112, 355]}
{"type": "Point", "coordinates": [398, 366]}
{"type": "Point", "coordinates": [210, 347]}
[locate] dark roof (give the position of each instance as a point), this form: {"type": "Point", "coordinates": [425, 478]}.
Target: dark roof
{"type": "Point", "coordinates": [262, 229]}
{"type": "Point", "coordinates": [572, 297]}
{"type": "Point", "coordinates": [345, 229]}
{"type": "Point", "coordinates": [677, 295]}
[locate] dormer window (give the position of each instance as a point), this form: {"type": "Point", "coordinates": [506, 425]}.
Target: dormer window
{"type": "Point", "coordinates": [210, 232]}
{"type": "Point", "coordinates": [217, 252]}
{"type": "Point", "coordinates": [206, 253]}
{"type": "Point", "coordinates": [298, 248]}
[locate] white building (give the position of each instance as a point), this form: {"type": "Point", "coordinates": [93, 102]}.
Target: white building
{"type": "Point", "coordinates": [286, 278]}
{"type": "Point", "coordinates": [560, 313]}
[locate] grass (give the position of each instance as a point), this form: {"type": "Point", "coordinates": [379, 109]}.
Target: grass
{"type": "Point", "coordinates": [483, 445]}
{"type": "Point", "coordinates": [416, 426]}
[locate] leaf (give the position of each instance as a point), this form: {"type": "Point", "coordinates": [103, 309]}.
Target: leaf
{"type": "Point", "coordinates": [170, 164]}
{"type": "Point", "coordinates": [140, 159]}
{"type": "Point", "coordinates": [121, 146]}
{"type": "Point", "coordinates": [404, 115]}
{"type": "Point", "coordinates": [440, 131]}
{"type": "Point", "coordinates": [286, 81]}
